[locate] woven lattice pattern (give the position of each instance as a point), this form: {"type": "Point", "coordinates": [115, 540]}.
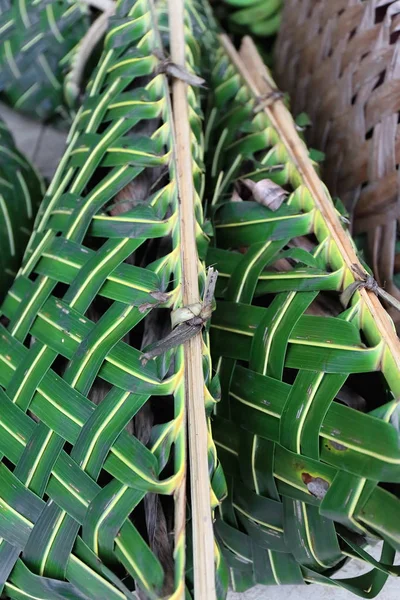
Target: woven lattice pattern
{"type": "Point", "coordinates": [21, 190]}
{"type": "Point", "coordinates": [75, 467]}
{"type": "Point", "coordinates": [340, 61]}
{"type": "Point", "coordinates": [36, 43]}
{"type": "Point", "coordinates": [312, 475]}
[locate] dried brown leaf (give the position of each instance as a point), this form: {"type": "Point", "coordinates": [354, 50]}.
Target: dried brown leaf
{"type": "Point", "coordinates": [266, 192]}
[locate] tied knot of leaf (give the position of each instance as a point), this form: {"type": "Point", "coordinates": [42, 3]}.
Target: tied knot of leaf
{"type": "Point", "coordinates": [368, 282]}
{"type": "Point", "coordinates": [267, 100]}
{"type": "Point", "coordinates": [186, 321]}
{"type": "Point", "coordinates": [168, 67]}
{"type": "Point", "coordinates": [193, 314]}
{"type": "Point", "coordinates": [365, 281]}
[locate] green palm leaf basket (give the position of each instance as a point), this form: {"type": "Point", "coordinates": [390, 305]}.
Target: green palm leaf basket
{"type": "Point", "coordinates": [37, 42]}
{"type": "Point", "coordinates": [92, 439]}
{"type": "Point", "coordinates": [307, 429]}
{"type": "Point", "coordinates": [110, 483]}
{"type": "Point", "coordinates": [21, 189]}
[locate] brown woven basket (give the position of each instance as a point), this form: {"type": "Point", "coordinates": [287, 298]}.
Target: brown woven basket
{"type": "Point", "coordinates": [340, 61]}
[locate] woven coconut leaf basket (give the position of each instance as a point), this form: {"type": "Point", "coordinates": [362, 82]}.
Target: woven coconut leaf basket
{"type": "Point", "coordinates": [82, 462]}
{"type": "Point", "coordinates": [264, 449]}
{"type": "Point", "coordinates": [21, 190]}
{"type": "Point", "coordinates": [340, 62]}
{"type": "Point", "coordinates": [306, 489]}
{"type": "Point", "coordinates": [37, 42]}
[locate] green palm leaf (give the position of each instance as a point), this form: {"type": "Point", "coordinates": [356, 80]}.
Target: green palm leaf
{"type": "Point", "coordinates": [311, 480]}
{"type": "Point", "coordinates": [37, 40]}
{"type": "Point", "coordinates": [21, 189]}
{"type": "Point", "coordinates": [261, 18]}
{"type": "Point", "coordinates": [77, 470]}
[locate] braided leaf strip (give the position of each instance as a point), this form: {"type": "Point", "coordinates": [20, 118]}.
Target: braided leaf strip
{"type": "Point", "coordinates": [21, 189]}
{"type": "Point", "coordinates": [73, 476]}
{"type": "Point", "coordinates": [36, 42]}
{"type": "Point", "coordinates": [304, 471]}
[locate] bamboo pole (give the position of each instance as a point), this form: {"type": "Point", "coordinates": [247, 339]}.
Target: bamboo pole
{"type": "Point", "coordinates": [203, 538]}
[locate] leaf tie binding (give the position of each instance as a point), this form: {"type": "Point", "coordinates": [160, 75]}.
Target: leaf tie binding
{"type": "Point", "coordinates": [267, 100]}
{"type": "Point", "coordinates": [187, 321]}
{"type": "Point", "coordinates": [369, 283]}
{"type": "Point", "coordinates": [167, 66]}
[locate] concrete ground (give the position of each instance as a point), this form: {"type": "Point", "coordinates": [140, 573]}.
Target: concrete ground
{"type": "Point", "coordinates": [42, 145]}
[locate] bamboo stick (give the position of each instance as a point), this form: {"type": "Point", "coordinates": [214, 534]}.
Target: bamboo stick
{"type": "Point", "coordinates": [203, 538]}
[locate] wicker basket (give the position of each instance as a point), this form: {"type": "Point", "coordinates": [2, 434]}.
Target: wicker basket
{"type": "Point", "coordinates": [340, 61]}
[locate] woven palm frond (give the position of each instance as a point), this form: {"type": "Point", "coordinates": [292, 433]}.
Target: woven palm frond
{"type": "Point", "coordinates": [340, 62]}
{"type": "Point", "coordinates": [258, 17]}
{"type": "Point", "coordinates": [308, 426]}
{"type": "Point", "coordinates": [78, 472]}
{"type": "Point", "coordinates": [21, 189]}
{"type": "Point", "coordinates": [37, 40]}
